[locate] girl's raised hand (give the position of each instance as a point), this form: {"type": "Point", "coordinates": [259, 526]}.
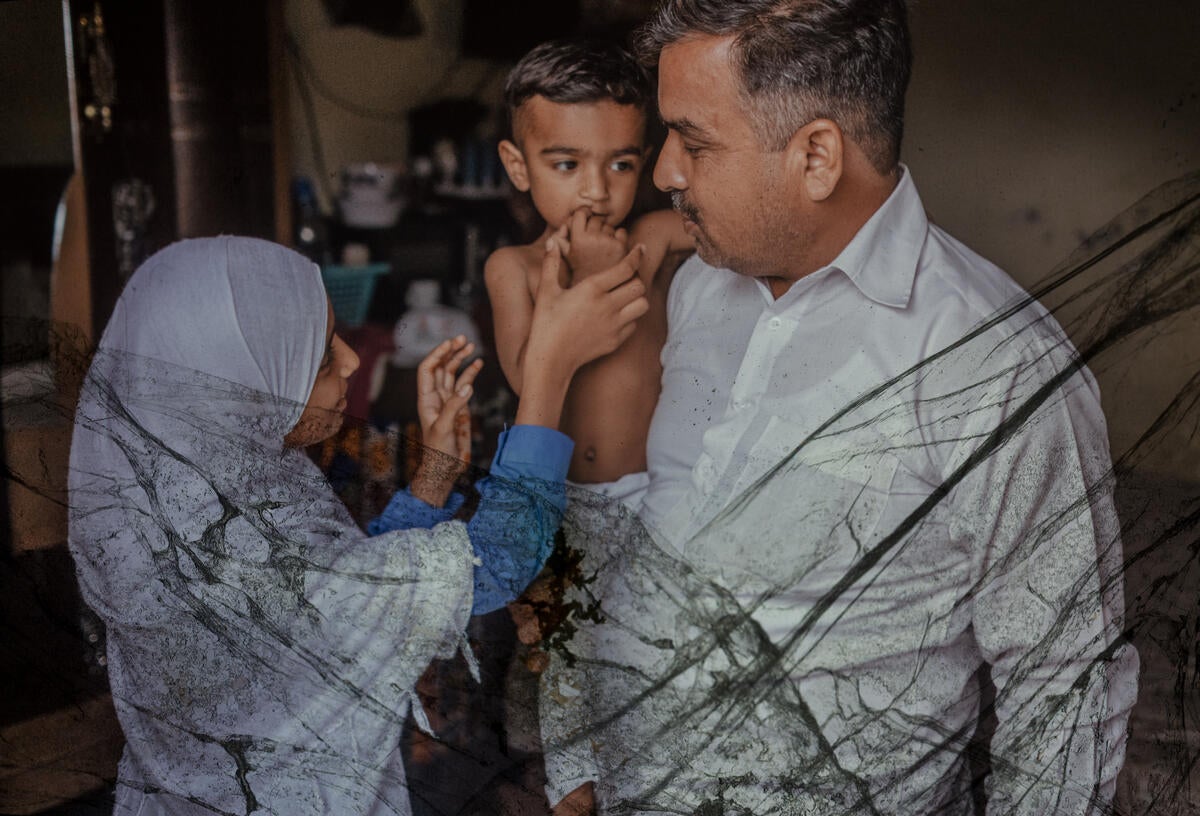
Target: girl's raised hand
{"type": "Point", "coordinates": [443, 394]}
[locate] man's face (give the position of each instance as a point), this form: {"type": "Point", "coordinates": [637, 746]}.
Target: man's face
{"type": "Point", "coordinates": [585, 155]}
{"type": "Point", "coordinates": [721, 179]}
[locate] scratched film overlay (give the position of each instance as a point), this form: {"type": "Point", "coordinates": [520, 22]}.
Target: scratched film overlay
{"type": "Point", "coordinates": [801, 648]}
{"type": "Point", "coordinates": [801, 656]}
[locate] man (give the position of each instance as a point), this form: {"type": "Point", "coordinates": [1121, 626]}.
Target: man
{"type": "Point", "coordinates": [877, 468]}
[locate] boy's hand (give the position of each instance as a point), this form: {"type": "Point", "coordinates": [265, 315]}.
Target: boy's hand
{"type": "Point", "coordinates": [445, 419]}
{"type": "Point", "coordinates": [590, 245]}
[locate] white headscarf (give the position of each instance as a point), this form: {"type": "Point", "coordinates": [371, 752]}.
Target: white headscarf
{"type": "Point", "coordinates": [261, 649]}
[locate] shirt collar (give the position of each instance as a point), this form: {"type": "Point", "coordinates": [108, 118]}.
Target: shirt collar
{"type": "Point", "coordinates": [881, 259]}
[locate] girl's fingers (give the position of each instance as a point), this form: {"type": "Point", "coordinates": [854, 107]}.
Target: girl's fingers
{"type": "Point", "coordinates": [451, 368]}
{"type": "Point", "coordinates": [426, 371]}
{"type": "Point", "coordinates": [462, 434]}
{"type": "Point", "coordinates": [436, 363]}
{"type": "Point", "coordinates": [436, 358]}
{"type": "Point", "coordinates": [450, 409]}
{"type": "Point", "coordinates": [469, 374]}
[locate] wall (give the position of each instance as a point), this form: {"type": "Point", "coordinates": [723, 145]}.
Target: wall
{"type": "Point", "coordinates": [35, 160]}
{"type": "Point", "coordinates": [1030, 125]}
{"type": "Point", "coordinates": [386, 76]}
{"type": "Point", "coordinates": [35, 124]}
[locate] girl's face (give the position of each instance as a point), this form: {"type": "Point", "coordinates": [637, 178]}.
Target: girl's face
{"type": "Point", "coordinates": [322, 415]}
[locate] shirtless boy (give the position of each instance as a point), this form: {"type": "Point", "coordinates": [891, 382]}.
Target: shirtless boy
{"type": "Point", "coordinates": [578, 111]}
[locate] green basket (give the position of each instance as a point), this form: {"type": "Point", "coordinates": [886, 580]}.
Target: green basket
{"type": "Point", "coordinates": [350, 289]}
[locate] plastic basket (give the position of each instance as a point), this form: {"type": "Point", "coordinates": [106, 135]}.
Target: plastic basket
{"type": "Point", "coordinates": [350, 289]}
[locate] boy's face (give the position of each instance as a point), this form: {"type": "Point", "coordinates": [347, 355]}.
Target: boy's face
{"type": "Point", "coordinates": [577, 155]}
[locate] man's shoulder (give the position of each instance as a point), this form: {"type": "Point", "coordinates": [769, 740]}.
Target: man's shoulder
{"type": "Point", "coordinates": [695, 278]}
{"type": "Point", "coordinates": [971, 296]}
{"type": "Point", "coordinates": [988, 330]}
{"type": "Point", "coordinates": [696, 285]}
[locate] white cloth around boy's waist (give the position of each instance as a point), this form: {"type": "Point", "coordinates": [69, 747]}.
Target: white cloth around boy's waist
{"type": "Point", "coordinates": [629, 489]}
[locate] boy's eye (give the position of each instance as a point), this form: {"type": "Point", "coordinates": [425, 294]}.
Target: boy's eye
{"type": "Point", "coordinates": [565, 165]}
{"type": "Point", "coordinates": [622, 166]}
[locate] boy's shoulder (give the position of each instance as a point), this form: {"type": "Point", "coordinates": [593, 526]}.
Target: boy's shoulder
{"type": "Point", "coordinates": [518, 258]}
{"type": "Point", "coordinates": [667, 244]}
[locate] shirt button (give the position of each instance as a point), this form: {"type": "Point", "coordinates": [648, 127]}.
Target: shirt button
{"type": "Point", "coordinates": [774, 322]}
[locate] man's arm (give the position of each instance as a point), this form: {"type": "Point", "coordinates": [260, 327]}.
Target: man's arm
{"type": "Point", "coordinates": [1048, 602]}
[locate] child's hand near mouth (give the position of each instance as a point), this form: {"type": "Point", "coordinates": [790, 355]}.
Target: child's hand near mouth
{"type": "Point", "coordinates": [590, 245]}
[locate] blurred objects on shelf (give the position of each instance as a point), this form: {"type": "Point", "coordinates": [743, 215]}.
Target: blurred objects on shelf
{"type": "Point", "coordinates": [372, 195]}
{"type": "Point", "coordinates": [452, 120]}
{"type": "Point", "coordinates": [427, 323]}
{"type": "Point", "coordinates": [350, 289]}
{"type": "Point", "coordinates": [356, 254]}
{"type": "Point", "coordinates": [310, 236]}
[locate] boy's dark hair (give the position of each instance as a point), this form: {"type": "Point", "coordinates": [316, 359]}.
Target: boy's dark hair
{"type": "Point", "coordinates": [577, 70]}
{"type": "Point", "coordinates": [800, 60]}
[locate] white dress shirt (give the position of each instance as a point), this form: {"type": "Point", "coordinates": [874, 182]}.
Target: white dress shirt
{"type": "Point", "coordinates": [895, 473]}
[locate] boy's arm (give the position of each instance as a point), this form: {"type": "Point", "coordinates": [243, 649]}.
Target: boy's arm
{"type": "Point", "coordinates": [662, 233]}
{"type": "Point", "coordinates": [512, 311]}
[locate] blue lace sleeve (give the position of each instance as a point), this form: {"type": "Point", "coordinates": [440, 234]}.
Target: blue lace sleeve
{"type": "Point", "coordinates": [521, 507]}
{"type": "Point", "coordinates": [406, 512]}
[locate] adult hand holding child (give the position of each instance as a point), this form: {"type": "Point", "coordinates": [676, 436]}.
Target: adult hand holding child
{"type": "Point", "coordinates": [573, 326]}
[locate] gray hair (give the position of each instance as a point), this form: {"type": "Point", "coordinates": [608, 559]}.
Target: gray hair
{"type": "Point", "coordinates": [800, 60]}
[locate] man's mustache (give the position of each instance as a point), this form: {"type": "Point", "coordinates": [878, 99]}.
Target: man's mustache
{"type": "Point", "coordinates": [684, 207]}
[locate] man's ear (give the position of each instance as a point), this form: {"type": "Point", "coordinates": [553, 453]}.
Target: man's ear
{"type": "Point", "coordinates": [514, 164]}
{"type": "Point", "coordinates": [816, 158]}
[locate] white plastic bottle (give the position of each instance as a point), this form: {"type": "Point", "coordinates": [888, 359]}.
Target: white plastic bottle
{"type": "Point", "coordinates": [427, 323]}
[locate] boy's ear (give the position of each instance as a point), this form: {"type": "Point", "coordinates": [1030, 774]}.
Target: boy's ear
{"type": "Point", "coordinates": [815, 158]}
{"type": "Point", "coordinates": [514, 164]}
